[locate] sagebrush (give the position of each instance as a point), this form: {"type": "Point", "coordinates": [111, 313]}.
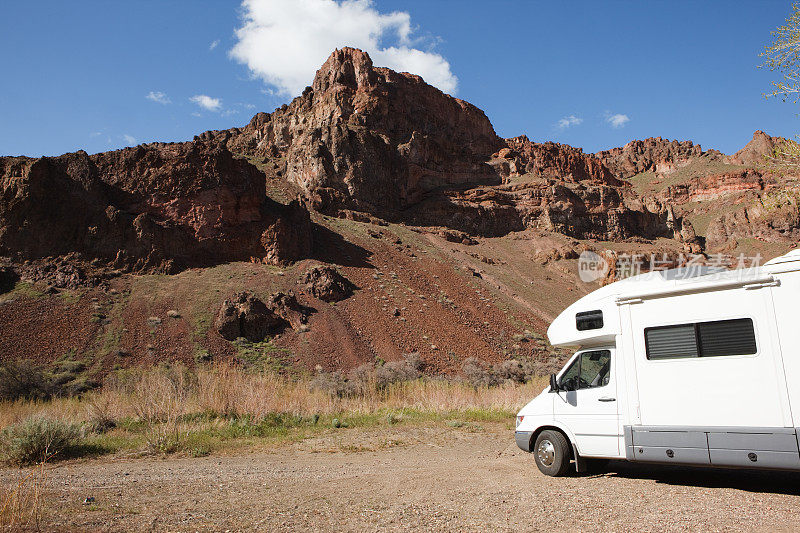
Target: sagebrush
{"type": "Point", "coordinates": [38, 439]}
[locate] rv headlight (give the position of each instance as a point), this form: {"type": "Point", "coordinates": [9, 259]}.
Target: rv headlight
{"type": "Point", "coordinates": [519, 420]}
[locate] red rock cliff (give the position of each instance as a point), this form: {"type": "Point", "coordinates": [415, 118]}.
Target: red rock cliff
{"type": "Point", "coordinates": [370, 138]}
{"type": "Point", "coordinates": [156, 207]}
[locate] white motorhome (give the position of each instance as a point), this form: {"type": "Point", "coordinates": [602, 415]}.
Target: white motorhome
{"type": "Point", "coordinates": [677, 366]}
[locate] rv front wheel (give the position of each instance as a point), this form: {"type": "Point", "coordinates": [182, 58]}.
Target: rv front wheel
{"type": "Point", "coordinates": [551, 452]}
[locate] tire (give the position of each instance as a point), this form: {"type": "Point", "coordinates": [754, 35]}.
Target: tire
{"type": "Point", "coordinates": [552, 453]}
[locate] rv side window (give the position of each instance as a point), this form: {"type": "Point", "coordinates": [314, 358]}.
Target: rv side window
{"type": "Point", "coordinates": [589, 320]}
{"type": "Point", "coordinates": [701, 339]}
{"type": "Point", "coordinates": [591, 369]}
{"type": "Point", "coordinates": [670, 342]}
{"type": "Point", "coordinates": [726, 337]}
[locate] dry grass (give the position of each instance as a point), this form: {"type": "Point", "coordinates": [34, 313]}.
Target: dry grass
{"type": "Point", "coordinates": [165, 395]}
{"type": "Point", "coordinates": [22, 502]}
{"type": "Point", "coordinates": [170, 409]}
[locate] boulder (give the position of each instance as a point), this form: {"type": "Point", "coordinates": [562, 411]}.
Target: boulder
{"type": "Point", "coordinates": [285, 306]}
{"type": "Point", "coordinates": [245, 315]}
{"type": "Point", "coordinates": [327, 284]}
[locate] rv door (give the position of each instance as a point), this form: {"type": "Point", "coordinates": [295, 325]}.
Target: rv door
{"type": "Point", "coordinates": [587, 403]}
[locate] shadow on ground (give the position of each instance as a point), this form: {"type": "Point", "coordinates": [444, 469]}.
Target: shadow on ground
{"type": "Point", "coordinates": [330, 247]}
{"type": "Point", "coordinates": [761, 481]}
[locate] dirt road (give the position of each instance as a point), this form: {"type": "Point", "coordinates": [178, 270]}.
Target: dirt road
{"type": "Point", "coordinates": [432, 479]}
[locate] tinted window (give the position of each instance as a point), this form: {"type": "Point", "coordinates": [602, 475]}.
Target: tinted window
{"type": "Point", "coordinates": [590, 369]}
{"type": "Point", "coordinates": [726, 337]}
{"type": "Point", "coordinates": [701, 339]}
{"type": "Point", "coordinates": [671, 341]}
{"type": "Point", "coordinates": [589, 320]}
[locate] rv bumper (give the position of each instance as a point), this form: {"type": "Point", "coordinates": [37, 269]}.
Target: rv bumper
{"type": "Point", "coordinates": [523, 439]}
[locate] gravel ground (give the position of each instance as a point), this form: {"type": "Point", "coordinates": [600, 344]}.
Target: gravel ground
{"type": "Point", "coordinates": [434, 478]}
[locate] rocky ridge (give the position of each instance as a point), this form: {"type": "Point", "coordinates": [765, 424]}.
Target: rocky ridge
{"type": "Point", "coordinates": [360, 139]}
{"type": "Point", "coordinates": [160, 207]}
{"type": "Point", "coordinates": [445, 237]}
{"type": "Point", "coordinates": [656, 154]}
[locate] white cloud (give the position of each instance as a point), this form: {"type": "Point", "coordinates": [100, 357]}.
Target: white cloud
{"type": "Point", "coordinates": [617, 120]}
{"type": "Point", "coordinates": [158, 97]}
{"type": "Point", "coordinates": [213, 44]}
{"type": "Point", "coordinates": [566, 122]}
{"type": "Point", "coordinates": [307, 31]}
{"type": "Point", "coordinates": [206, 102]}
{"type": "Point", "coordinates": [130, 139]}
{"type": "Point", "coordinates": [196, 114]}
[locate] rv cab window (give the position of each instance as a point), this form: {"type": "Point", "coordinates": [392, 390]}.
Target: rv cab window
{"type": "Point", "coordinates": [590, 369]}
{"type": "Point", "coordinates": [587, 320]}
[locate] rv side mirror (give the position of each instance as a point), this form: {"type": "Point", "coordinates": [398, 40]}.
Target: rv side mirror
{"type": "Point", "coordinates": [553, 383]}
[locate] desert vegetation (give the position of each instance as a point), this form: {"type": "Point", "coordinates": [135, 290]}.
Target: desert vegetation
{"type": "Point", "coordinates": [176, 409]}
{"type": "Point", "coordinates": [22, 502]}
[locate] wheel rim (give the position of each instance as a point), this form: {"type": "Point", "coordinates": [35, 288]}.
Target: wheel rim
{"type": "Point", "coordinates": [546, 453]}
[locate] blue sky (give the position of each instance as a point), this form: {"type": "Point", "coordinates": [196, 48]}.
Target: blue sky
{"type": "Point", "coordinates": [78, 75]}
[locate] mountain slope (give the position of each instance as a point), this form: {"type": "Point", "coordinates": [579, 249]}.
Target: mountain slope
{"type": "Point", "coordinates": [460, 244]}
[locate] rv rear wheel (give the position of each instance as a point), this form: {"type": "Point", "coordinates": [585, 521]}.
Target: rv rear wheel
{"type": "Point", "coordinates": [551, 452]}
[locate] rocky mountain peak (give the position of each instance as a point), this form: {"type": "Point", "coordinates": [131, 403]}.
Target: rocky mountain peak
{"type": "Point", "coordinates": [368, 138]}
{"type": "Point", "coordinates": [348, 67]}
{"type": "Point", "coordinates": [757, 150]}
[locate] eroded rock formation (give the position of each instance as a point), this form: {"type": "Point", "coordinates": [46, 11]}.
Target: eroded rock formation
{"type": "Point", "coordinates": [369, 138]}
{"type": "Point", "coordinates": [150, 208]}
{"type": "Point", "coordinates": [246, 315]}
{"type": "Point", "coordinates": [759, 151]}
{"type": "Point", "coordinates": [655, 154]}
{"type": "Point", "coordinates": [551, 160]}
{"type": "Point", "coordinates": [327, 284]}
{"type": "Point", "coordinates": [369, 144]}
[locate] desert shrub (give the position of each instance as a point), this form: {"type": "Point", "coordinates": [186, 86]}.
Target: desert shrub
{"type": "Point", "coordinates": [511, 369]}
{"type": "Point", "coordinates": [202, 356]}
{"type": "Point", "coordinates": [551, 363]}
{"type": "Point", "coordinates": [358, 382]}
{"type": "Point", "coordinates": [24, 379]}
{"type": "Point", "coordinates": [368, 378]}
{"type": "Point", "coordinates": [99, 414]}
{"type": "Point", "coordinates": [332, 383]}
{"type": "Point", "coordinates": [519, 370]}
{"type": "Point", "coordinates": [361, 380]}
{"type": "Point", "coordinates": [477, 374]}
{"type": "Point", "coordinates": [407, 369]}
{"type": "Point", "coordinates": [77, 386]}
{"type": "Point", "coordinates": [27, 380]}
{"type": "Point", "coordinates": [70, 366]}
{"type": "Point", "coordinates": [37, 439]}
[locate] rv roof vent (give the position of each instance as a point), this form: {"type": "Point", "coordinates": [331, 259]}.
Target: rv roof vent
{"type": "Point", "coordinates": [589, 320]}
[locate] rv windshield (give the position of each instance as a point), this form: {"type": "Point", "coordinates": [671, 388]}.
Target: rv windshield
{"type": "Point", "coordinates": [590, 369]}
